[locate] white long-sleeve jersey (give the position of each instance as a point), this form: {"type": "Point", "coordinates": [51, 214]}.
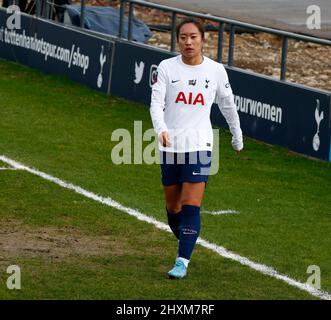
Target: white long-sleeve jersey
{"type": "Point", "coordinates": [181, 101]}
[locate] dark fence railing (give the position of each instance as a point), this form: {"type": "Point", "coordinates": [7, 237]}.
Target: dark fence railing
{"type": "Point", "coordinates": [233, 24]}
{"type": "Point", "coordinates": [44, 9]}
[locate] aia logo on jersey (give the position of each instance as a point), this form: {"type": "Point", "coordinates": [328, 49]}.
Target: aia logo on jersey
{"type": "Point", "coordinates": [190, 98]}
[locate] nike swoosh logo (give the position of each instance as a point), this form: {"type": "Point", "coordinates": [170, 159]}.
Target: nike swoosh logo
{"type": "Point", "coordinates": [195, 173]}
{"type": "Point", "coordinates": [174, 81]}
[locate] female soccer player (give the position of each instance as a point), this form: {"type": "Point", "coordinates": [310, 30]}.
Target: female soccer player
{"type": "Point", "coordinates": [181, 101]}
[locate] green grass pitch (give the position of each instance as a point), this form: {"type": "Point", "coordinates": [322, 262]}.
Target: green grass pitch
{"type": "Point", "coordinates": [70, 247]}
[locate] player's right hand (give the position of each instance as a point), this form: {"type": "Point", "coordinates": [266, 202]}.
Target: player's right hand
{"type": "Point", "coordinates": [164, 139]}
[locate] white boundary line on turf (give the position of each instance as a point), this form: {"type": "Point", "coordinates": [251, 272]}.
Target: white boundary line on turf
{"type": "Point", "coordinates": [7, 168]}
{"type": "Point", "coordinates": [221, 212]}
{"type": "Point", "coordinates": [160, 225]}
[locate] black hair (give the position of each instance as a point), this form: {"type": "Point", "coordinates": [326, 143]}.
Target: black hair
{"type": "Point", "coordinates": [194, 21]}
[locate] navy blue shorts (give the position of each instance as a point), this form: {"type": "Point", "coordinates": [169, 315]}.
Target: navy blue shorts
{"type": "Point", "coordinates": [177, 168]}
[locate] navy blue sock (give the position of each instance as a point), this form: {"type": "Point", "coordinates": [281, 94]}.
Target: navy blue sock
{"type": "Point", "coordinates": [189, 231]}
{"type": "Point", "coordinates": [174, 221]}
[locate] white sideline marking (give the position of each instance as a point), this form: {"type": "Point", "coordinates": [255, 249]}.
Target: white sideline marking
{"type": "Point", "coordinates": [7, 168]}
{"type": "Point", "coordinates": [220, 212]}
{"type": "Point", "coordinates": [160, 225]}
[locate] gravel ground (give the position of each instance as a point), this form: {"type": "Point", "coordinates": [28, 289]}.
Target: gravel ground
{"type": "Point", "coordinates": [307, 63]}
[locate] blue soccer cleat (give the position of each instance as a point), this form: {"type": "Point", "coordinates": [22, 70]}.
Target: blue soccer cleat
{"type": "Point", "coordinates": [179, 270]}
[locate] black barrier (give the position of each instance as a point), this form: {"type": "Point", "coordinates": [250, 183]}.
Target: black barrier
{"type": "Point", "coordinates": [133, 69]}
{"type": "Point", "coordinates": [57, 49]}
{"type": "Point", "coordinates": [270, 110]}
{"type": "Point", "coordinates": [273, 111]}
{"type": "Point", "coordinates": [278, 113]}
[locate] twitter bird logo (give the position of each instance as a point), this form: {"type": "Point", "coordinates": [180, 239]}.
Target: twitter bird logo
{"type": "Point", "coordinates": [139, 71]}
